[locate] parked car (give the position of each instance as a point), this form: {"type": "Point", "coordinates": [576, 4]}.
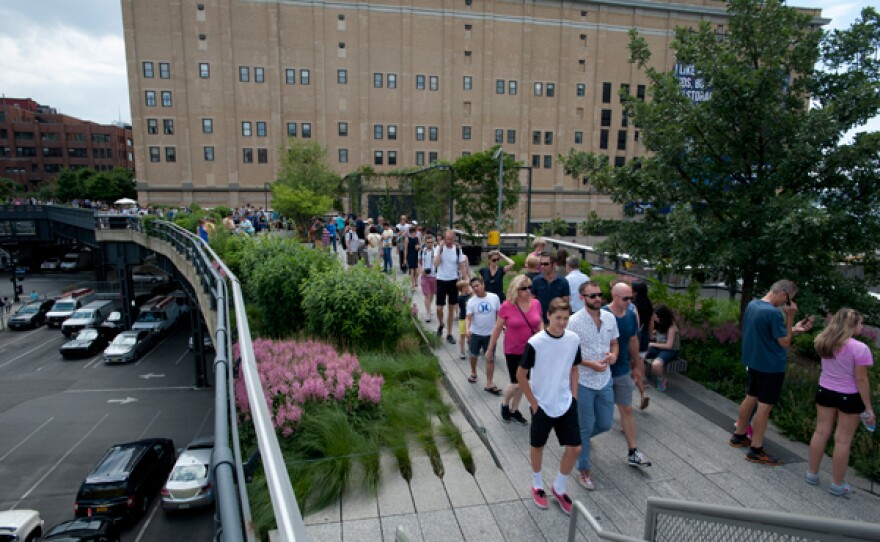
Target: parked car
{"type": "Point", "coordinates": [113, 325]}
{"type": "Point", "coordinates": [145, 276]}
{"type": "Point", "coordinates": [20, 525]}
{"type": "Point", "coordinates": [32, 315]}
{"type": "Point", "coordinates": [125, 479]}
{"type": "Point", "coordinates": [88, 342]}
{"type": "Point", "coordinates": [207, 342]}
{"type": "Point", "coordinates": [158, 315]}
{"type": "Point", "coordinates": [67, 304]}
{"type": "Point", "coordinates": [76, 261]}
{"type": "Point", "coordinates": [191, 483]}
{"type": "Point", "coordinates": [51, 264]}
{"type": "Point", "coordinates": [91, 315]}
{"type": "Point", "coordinates": [128, 346]}
{"type": "Point", "coordinates": [93, 529]}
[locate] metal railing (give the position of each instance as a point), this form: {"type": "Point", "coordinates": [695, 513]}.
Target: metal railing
{"type": "Point", "coordinates": [235, 522]}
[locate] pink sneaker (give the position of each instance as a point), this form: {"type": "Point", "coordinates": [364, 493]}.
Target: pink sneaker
{"type": "Point", "coordinates": [564, 501]}
{"type": "Point", "coordinates": [540, 498]}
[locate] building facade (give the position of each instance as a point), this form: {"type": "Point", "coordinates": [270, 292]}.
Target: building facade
{"type": "Point", "coordinates": [217, 87]}
{"type": "Point", "coordinates": [36, 143]}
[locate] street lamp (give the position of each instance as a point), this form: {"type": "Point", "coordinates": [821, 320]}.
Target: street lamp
{"type": "Point", "coordinates": [266, 190]}
{"type": "Point", "coordinates": [499, 155]}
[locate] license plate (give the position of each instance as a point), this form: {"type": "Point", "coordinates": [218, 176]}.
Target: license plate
{"type": "Point", "coordinates": [101, 509]}
{"type": "Point", "coordinates": [183, 506]}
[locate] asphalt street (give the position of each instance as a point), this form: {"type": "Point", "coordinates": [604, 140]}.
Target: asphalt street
{"type": "Point", "coordinates": [58, 417]}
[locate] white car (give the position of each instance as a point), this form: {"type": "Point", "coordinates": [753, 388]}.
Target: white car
{"type": "Point", "coordinates": [191, 482]}
{"type": "Point", "coordinates": [52, 264]}
{"type": "Point", "coordinates": [20, 525]}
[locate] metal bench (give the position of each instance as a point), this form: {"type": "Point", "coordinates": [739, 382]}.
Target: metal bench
{"type": "Point", "coordinates": [681, 521]}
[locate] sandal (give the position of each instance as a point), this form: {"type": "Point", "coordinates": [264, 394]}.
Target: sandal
{"type": "Point", "coordinates": [645, 402]}
{"type": "Point", "coordinates": [494, 390]}
{"type": "Point", "coordinates": [472, 379]}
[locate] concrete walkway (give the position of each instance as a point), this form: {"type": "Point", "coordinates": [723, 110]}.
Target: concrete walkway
{"type": "Point", "coordinates": [684, 433]}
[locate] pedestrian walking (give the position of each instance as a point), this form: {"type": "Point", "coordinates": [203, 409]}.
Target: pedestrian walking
{"type": "Point", "coordinates": [482, 312]}
{"type": "Point", "coordinates": [549, 285]}
{"type": "Point", "coordinates": [427, 275]}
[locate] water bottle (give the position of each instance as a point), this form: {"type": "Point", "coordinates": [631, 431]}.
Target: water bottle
{"type": "Point", "coordinates": [865, 416]}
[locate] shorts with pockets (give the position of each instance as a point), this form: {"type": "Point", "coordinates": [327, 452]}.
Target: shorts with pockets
{"type": "Point", "coordinates": [446, 289]}
{"type": "Point", "coordinates": [767, 387]}
{"type": "Point", "coordinates": [566, 427]}
{"type": "Point", "coordinates": [847, 403]}
{"type": "Point", "coordinates": [478, 343]}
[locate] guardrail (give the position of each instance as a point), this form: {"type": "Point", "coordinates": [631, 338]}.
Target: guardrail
{"type": "Point", "coordinates": [233, 510]}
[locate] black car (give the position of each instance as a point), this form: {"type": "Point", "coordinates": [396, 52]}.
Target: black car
{"type": "Point", "coordinates": [126, 479]}
{"type": "Point", "coordinates": [31, 315]}
{"type": "Point", "coordinates": [113, 325]}
{"type": "Point", "coordinates": [93, 529]}
{"type": "Point", "coordinates": [88, 342]}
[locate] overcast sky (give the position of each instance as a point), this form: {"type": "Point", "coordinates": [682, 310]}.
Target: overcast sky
{"type": "Point", "coordinates": [70, 54]}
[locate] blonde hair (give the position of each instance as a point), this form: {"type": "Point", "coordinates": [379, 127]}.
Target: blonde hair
{"type": "Point", "coordinates": [539, 241]}
{"type": "Point", "coordinates": [515, 285]}
{"type": "Point", "coordinates": [841, 328]}
{"type": "Point", "coordinates": [532, 262]}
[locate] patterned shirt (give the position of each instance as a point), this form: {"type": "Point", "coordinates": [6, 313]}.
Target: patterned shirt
{"type": "Point", "coordinates": [595, 343]}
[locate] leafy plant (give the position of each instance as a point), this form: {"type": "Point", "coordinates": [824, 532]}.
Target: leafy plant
{"type": "Point", "coordinates": [556, 227]}
{"type": "Point", "coordinates": [476, 192]}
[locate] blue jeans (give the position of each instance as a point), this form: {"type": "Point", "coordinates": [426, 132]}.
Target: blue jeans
{"type": "Point", "coordinates": [386, 259]}
{"type": "Point", "coordinates": [595, 410]}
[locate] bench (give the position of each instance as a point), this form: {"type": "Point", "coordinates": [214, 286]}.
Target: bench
{"type": "Point", "coordinates": [669, 519]}
{"type": "Point", "coordinates": [678, 365]}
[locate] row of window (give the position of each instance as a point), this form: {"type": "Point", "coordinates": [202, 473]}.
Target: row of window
{"type": "Point", "coordinates": [150, 98]}
{"type": "Point", "coordinates": [164, 70]}
{"type": "Point", "coordinates": [54, 136]}
{"type": "Point", "coordinates": [56, 152]}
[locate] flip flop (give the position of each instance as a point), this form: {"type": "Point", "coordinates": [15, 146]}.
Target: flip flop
{"type": "Point", "coordinates": [472, 379]}
{"type": "Point", "coordinates": [493, 390]}
{"type": "Point", "coordinates": [645, 402]}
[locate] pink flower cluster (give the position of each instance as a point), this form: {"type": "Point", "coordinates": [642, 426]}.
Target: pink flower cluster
{"type": "Point", "coordinates": [293, 373]}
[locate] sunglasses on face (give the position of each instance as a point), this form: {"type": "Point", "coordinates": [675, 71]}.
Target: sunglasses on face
{"type": "Point", "coordinates": [545, 264]}
{"type": "Point", "coordinates": [524, 288]}
{"type": "Point", "coordinates": [592, 296]}
{"type": "Point", "coordinates": [627, 298]}
{"type": "Point", "coordinates": [494, 260]}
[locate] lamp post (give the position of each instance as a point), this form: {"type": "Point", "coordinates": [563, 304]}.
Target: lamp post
{"type": "Point", "coordinates": [499, 155]}
{"type": "Point", "coordinates": [266, 190]}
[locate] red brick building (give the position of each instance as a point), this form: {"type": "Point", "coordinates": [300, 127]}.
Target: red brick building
{"type": "Point", "coordinates": [36, 143]}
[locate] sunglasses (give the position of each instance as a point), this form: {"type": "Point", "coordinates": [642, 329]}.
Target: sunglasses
{"type": "Point", "coordinates": [494, 259]}
{"type": "Point", "coordinates": [628, 298]}
{"type": "Point", "coordinates": [524, 288]}
{"type": "Point", "coordinates": [545, 264]}
{"type": "Point", "coordinates": [592, 296]}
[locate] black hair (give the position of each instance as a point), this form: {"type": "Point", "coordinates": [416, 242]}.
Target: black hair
{"type": "Point", "coordinates": [665, 318]}
{"type": "Point", "coordinates": [644, 307]}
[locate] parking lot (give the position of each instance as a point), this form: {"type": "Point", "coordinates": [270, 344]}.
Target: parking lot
{"type": "Point", "coordinates": [58, 417]}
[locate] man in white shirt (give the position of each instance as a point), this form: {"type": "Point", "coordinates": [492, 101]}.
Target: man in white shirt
{"type": "Point", "coordinates": [575, 278]}
{"type": "Point", "coordinates": [448, 267]}
{"type": "Point", "coordinates": [482, 312]}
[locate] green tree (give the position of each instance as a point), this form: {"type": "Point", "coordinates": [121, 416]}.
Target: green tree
{"type": "Point", "coordinates": [72, 184]}
{"type": "Point", "coordinates": [306, 184]}
{"type": "Point", "coordinates": [753, 183]}
{"type": "Point", "coordinates": [476, 191]}
{"type": "Point", "coordinates": [556, 227]}
{"type": "Point", "coordinates": [8, 187]}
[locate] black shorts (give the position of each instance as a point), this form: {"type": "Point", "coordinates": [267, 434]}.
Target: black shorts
{"type": "Point", "coordinates": [513, 365]}
{"type": "Point", "coordinates": [847, 403]}
{"type": "Point", "coordinates": [446, 289]}
{"type": "Point", "coordinates": [566, 426]}
{"type": "Point", "coordinates": [765, 386]}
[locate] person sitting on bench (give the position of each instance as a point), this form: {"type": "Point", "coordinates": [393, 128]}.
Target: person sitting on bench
{"type": "Point", "coordinates": [666, 344]}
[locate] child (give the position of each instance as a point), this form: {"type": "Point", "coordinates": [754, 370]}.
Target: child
{"type": "Point", "coordinates": [464, 293]}
{"type": "Point", "coordinates": [553, 356]}
{"type": "Point", "coordinates": [666, 343]}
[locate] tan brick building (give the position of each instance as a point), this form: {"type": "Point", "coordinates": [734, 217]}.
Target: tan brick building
{"type": "Point", "coordinates": [386, 84]}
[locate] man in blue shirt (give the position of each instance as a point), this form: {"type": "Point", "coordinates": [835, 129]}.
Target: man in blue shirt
{"type": "Point", "coordinates": [548, 285]}
{"type": "Point", "coordinates": [767, 334]}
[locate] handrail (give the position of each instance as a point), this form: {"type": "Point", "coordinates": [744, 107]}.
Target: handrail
{"type": "Point", "coordinates": [581, 511]}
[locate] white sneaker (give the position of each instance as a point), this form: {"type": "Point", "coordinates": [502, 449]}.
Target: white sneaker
{"type": "Point", "coordinates": [428, 320]}
{"type": "Point", "coordinates": [638, 459]}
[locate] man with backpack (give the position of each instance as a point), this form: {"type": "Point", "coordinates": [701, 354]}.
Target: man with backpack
{"type": "Point", "coordinates": [447, 263]}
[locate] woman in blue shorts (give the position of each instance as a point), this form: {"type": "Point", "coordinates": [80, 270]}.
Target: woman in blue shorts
{"type": "Point", "coordinates": [666, 344]}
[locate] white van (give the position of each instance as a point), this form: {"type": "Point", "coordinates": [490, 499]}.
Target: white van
{"type": "Point", "coordinates": [67, 304]}
{"type": "Point", "coordinates": [158, 315]}
{"type": "Point", "coordinates": [92, 315]}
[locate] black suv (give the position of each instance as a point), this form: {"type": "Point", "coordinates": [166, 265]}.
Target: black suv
{"type": "Point", "coordinates": [31, 315]}
{"type": "Point", "coordinates": [125, 480]}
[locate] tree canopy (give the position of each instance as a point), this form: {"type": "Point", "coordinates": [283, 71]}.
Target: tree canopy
{"type": "Point", "coordinates": [106, 186]}
{"type": "Point", "coordinates": [306, 183]}
{"type": "Point", "coordinates": [476, 190]}
{"type": "Point", "coordinates": [754, 183]}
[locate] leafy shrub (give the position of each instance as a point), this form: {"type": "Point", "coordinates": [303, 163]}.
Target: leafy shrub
{"type": "Point", "coordinates": [359, 307]}
{"type": "Point", "coordinates": [519, 261]}
{"type": "Point", "coordinates": [802, 345]}
{"type": "Point", "coordinates": [586, 267]}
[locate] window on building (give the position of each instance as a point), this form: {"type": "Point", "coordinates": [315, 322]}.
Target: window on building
{"type": "Point", "coordinates": [378, 131]}
{"type": "Point", "coordinates": [434, 82]}
{"type": "Point", "coordinates": [343, 156]}
{"type": "Point", "coordinates": [511, 136]}
{"type": "Point", "coordinates": [263, 156]}
{"type": "Point", "coordinates": [378, 79]}
{"type": "Point", "coordinates": [291, 129]}
{"type": "Point", "coordinates": [392, 158]}
{"type": "Point", "coordinates": [499, 135]}
{"type": "Point", "coordinates": [420, 82]}
{"type": "Point", "coordinates": [640, 92]}
{"type": "Point", "coordinates": [578, 138]}
{"type": "Point", "coordinates": [539, 89]}
{"type": "Point", "coordinates": [168, 126]}
{"type": "Point", "coordinates": [170, 154]}
{"type": "Point", "coordinates": [154, 154]}
{"type": "Point", "coordinates": [432, 157]}
{"type": "Point", "coordinates": [536, 161]}
{"type": "Point", "coordinates": [581, 89]}
{"type": "Point", "coordinates": [624, 120]}
{"type": "Point", "coordinates": [468, 83]}
{"type": "Point", "coordinates": [209, 154]}
{"type": "Point", "coordinates": [499, 86]}
{"type": "Point", "coordinates": [259, 75]}
{"type": "Point", "coordinates": [152, 126]}
{"type": "Point", "coordinates": [204, 70]}
{"type": "Point", "coordinates": [466, 132]}
{"type": "Point", "coordinates": [420, 158]}
{"type": "Point", "coordinates": [536, 137]}
{"type": "Point", "coordinates": [606, 117]}
{"type": "Point", "coordinates": [261, 128]}
{"type": "Point", "coordinates": [420, 133]}
{"type": "Point", "coordinates": [551, 90]}
{"type": "Point", "coordinates": [466, 108]}
{"type": "Point", "coordinates": [511, 88]}
{"type": "Point", "coordinates": [148, 70]}
{"type": "Point", "coordinates": [244, 74]}
{"type": "Point", "coordinates": [548, 161]}
{"type": "Point", "coordinates": [433, 133]}
{"type": "Point", "coordinates": [207, 126]}
{"type": "Point", "coordinates": [548, 138]}
{"type": "Point", "coordinates": [246, 128]}
{"type": "Point", "coordinates": [164, 70]}
{"type": "Point", "coordinates": [619, 161]}
{"type": "Point", "coordinates": [305, 76]}
{"type": "Point", "coordinates": [306, 130]}
{"type": "Point", "coordinates": [378, 158]}
{"type": "Point", "coordinates": [166, 98]}
{"type": "Point", "coordinates": [621, 140]}
{"type": "Point", "coordinates": [150, 98]}
{"type": "Point", "coordinates": [603, 138]}
{"type": "Point", "coordinates": [624, 87]}
{"type": "Point", "coordinates": [247, 155]}
{"type": "Point", "coordinates": [606, 93]}
{"type": "Point", "coordinates": [391, 80]}
{"type": "Point", "coordinates": [342, 77]}
{"type": "Point", "coordinates": [343, 129]}
{"type": "Point", "coordinates": [392, 132]}
{"type": "Point", "coordinates": [290, 76]}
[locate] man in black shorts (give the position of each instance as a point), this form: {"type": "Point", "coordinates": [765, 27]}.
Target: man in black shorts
{"type": "Point", "coordinates": [447, 265]}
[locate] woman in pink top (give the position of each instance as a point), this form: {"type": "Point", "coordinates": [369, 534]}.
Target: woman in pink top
{"type": "Point", "coordinates": [520, 318]}
{"type": "Point", "coordinates": [844, 392]}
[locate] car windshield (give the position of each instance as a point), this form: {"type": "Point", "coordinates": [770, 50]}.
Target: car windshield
{"type": "Point", "coordinates": [87, 335]}
{"type": "Point", "coordinates": [151, 316]}
{"type": "Point", "coordinates": [29, 309]}
{"type": "Point", "coordinates": [125, 340]}
{"type": "Point", "coordinates": [115, 317]}
{"type": "Point", "coordinates": [102, 491]}
{"type": "Point", "coordinates": [64, 306]}
{"type": "Point", "coordinates": [81, 314]}
{"type": "Point", "coordinates": [189, 473]}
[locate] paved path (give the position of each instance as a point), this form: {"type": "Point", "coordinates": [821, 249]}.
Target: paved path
{"type": "Point", "coordinates": [684, 433]}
